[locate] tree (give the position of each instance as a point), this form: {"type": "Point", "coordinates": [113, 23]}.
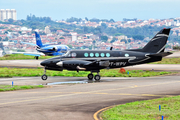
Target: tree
{"type": "Point", "coordinates": [118, 34]}
{"type": "Point", "coordinates": [124, 40]}
{"type": "Point", "coordinates": [86, 18]}
{"type": "Point", "coordinates": [111, 20]}
{"type": "Point", "coordinates": [104, 38]}
{"type": "Point", "coordinates": [10, 20]}
{"type": "Point", "coordinates": [138, 37]}
{"type": "Point", "coordinates": [28, 17]}
{"type": "Point", "coordinates": [6, 39]}
{"type": "Point", "coordinates": [70, 46]}
{"type": "Point", "coordinates": [113, 40]}
{"type": "Point", "coordinates": [6, 32]}
{"type": "Point", "coordinates": [20, 32]}
{"type": "Point", "coordinates": [129, 40]}
{"type": "Point", "coordinates": [61, 38]}
{"type": "Point", "coordinates": [103, 26]}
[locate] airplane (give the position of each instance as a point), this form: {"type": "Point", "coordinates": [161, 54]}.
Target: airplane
{"type": "Point", "coordinates": [46, 49]}
{"type": "Point", "coordinates": [95, 60]}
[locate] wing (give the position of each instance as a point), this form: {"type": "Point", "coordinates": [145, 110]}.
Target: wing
{"type": "Point", "coordinates": [29, 53]}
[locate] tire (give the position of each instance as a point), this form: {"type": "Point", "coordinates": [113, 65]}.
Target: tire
{"type": "Point", "coordinates": [44, 77]}
{"type": "Point", "coordinates": [97, 77]}
{"type": "Point", "coordinates": [90, 76]}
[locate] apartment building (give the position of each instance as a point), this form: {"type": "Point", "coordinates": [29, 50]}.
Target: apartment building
{"type": "Point", "coordinates": [7, 14]}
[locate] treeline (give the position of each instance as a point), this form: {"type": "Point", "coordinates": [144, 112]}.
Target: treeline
{"type": "Point", "coordinates": [73, 19]}
{"type": "Point", "coordinates": [138, 33]}
{"type": "Point", "coordinates": [39, 19]}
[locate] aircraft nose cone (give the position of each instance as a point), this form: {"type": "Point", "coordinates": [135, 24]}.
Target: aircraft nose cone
{"type": "Point", "coordinates": [44, 63]}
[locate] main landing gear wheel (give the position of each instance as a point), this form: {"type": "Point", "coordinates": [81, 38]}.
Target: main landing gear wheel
{"type": "Point", "coordinates": [44, 77]}
{"type": "Point", "coordinates": [36, 57]}
{"type": "Point", "coordinates": [97, 77]}
{"type": "Point", "coordinates": [90, 76]}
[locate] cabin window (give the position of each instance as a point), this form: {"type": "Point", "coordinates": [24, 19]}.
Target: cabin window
{"type": "Point", "coordinates": [126, 55]}
{"type": "Point", "coordinates": [102, 54]}
{"type": "Point", "coordinates": [97, 54]}
{"type": "Point", "coordinates": [91, 54]}
{"type": "Point", "coordinates": [73, 54]}
{"type": "Point", "coordinates": [86, 54]}
{"type": "Point", "coordinates": [107, 54]}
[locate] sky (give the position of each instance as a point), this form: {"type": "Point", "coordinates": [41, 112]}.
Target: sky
{"type": "Point", "coordinates": [101, 9]}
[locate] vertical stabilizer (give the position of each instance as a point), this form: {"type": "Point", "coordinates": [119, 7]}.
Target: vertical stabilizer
{"type": "Point", "coordinates": [38, 40]}
{"type": "Point", "coordinates": [158, 42]}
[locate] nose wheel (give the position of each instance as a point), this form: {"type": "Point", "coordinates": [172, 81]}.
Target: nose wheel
{"type": "Point", "coordinates": [44, 77]}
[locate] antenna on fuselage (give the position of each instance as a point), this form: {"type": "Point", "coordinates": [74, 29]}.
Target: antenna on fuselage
{"type": "Point", "coordinates": [111, 48]}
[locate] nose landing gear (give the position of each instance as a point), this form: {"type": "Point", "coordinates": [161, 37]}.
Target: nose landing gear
{"type": "Point", "coordinates": [44, 77]}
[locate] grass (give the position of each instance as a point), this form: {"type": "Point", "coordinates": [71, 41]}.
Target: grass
{"type": "Point", "coordinates": [18, 87]}
{"type": "Point", "coordinates": [29, 72]}
{"type": "Point", "coordinates": [168, 61]}
{"type": "Point", "coordinates": [145, 110]}
{"type": "Point", "coordinates": [21, 57]}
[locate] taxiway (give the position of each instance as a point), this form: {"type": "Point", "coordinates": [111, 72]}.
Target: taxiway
{"type": "Point", "coordinates": [80, 101]}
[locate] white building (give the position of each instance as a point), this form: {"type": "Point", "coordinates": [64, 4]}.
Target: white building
{"type": "Point", "coordinates": [7, 14]}
{"type": "Point", "coordinates": [47, 30]}
{"type": "Point", "coordinates": [74, 36]}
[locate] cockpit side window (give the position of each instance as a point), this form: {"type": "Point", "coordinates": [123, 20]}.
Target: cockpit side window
{"type": "Point", "coordinates": [73, 54]}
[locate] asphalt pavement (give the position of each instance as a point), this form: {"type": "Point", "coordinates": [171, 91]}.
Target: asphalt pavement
{"type": "Point", "coordinates": [80, 101]}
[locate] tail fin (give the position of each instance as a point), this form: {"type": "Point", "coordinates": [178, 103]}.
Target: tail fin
{"type": "Point", "coordinates": [158, 42]}
{"type": "Point", "coordinates": [38, 40]}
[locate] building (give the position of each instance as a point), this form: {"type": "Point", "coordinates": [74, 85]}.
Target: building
{"type": "Point", "coordinates": [74, 36]}
{"type": "Point", "coordinates": [47, 30]}
{"type": "Point", "coordinates": [7, 14]}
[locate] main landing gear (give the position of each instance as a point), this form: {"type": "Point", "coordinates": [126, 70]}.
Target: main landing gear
{"type": "Point", "coordinates": [44, 77]}
{"type": "Point", "coordinates": [36, 57]}
{"type": "Point", "coordinates": [96, 77]}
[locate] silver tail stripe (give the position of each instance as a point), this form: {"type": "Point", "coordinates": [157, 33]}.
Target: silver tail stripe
{"type": "Point", "coordinates": [162, 35]}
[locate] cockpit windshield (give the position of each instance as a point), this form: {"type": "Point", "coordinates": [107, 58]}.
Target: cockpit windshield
{"type": "Point", "coordinates": [67, 54]}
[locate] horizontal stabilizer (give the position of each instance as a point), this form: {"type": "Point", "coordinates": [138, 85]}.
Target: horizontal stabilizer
{"type": "Point", "coordinates": [163, 54]}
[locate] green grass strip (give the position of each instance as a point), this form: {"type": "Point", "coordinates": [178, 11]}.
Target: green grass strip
{"type": "Point", "coordinates": [145, 110]}
{"type": "Point", "coordinates": [4, 88]}
{"type": "Point", "coordinates": [28, 72]}
{"type": "Point", "coordinates": [22, 57]}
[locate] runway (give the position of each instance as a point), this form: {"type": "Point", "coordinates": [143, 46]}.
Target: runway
{"type": "Point", "coordinates": [80, 101]}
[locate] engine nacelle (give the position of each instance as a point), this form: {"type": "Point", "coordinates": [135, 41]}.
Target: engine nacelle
{"type": "Point", "coordinates": [55, 48]}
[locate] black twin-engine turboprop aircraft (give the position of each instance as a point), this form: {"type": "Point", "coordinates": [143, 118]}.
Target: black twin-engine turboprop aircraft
{"type": "Point", "coordinates": [95, 60]}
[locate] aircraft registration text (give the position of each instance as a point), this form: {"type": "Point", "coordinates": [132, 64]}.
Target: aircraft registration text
{"type": "Point", "coordinates": [117, 64]}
